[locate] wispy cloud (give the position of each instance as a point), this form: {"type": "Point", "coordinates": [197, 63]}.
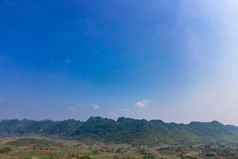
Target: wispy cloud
{"type": "Point", "coordinates": [113, 114]}
{"type": "Point", "coordinates": [95, 106]}
{"type": "Point", "coordinates": [2, 58]}
{"type": "Point", "coordinates": [123, 110]}
{"type": "Point", "coordinates": [67, 61]}
{"type": "Point", "coordinates": [72, 109]}
{"type": "Point", "coordinates": [142, 104]}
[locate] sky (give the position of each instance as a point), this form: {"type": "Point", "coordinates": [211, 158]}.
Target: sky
{"type": "Point", "coordinates": [175, 60]}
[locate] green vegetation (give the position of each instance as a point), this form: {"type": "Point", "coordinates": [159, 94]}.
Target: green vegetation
{"type": "Point", "coordinates": [124, 130]}
{"type": "Point", "coordinates": [5, 150]}
{"type": "Point", "coordinates": [150, 156]}
{"type": "Point", "coordinates": [38, 148]}
{"type": "Point", "coordinates": [188, 157]}
{"type": "Point", "coordinates": [84, 157]}
{"type": "Point", "coordinates": [220, 152]}
{"type": "Point", "coordinates": [33, 141]}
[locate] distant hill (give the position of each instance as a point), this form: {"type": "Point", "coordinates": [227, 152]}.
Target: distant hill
{"type": "Point", "coordinates": [233, 128]}
{"type": "Point", "coordinates": [124, 130]}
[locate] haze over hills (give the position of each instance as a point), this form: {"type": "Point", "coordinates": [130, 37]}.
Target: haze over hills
{"type": "Point", "coordinates": [124, 130]}
{"type": "Point", "coordinates": [175, 60]}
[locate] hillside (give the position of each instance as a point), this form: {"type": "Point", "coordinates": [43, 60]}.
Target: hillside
{"type": "Point", "coordinates": [124, 130]}
{"type": "Point", "coordinates": [233, 128]}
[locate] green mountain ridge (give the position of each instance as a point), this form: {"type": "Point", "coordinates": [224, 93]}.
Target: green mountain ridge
{"type": "Point", "coordinates": [123, 130]}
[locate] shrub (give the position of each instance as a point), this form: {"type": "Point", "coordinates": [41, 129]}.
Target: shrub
{"type": "Point", "coordinates": [5, 150]}
{"type": "Point", "coordinates": [84, 157]}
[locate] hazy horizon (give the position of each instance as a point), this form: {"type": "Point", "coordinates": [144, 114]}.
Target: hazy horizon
{"type": "Point", "coordinates": [115, 119]}
{"type": "Point", "coordinates": [171, 60]}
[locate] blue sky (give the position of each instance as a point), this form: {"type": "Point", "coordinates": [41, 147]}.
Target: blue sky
{"type": "Point", "coordinates": [169, 60]}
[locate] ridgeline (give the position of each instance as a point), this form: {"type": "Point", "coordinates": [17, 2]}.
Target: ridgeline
{"type": "Point", "coordinates": [124, 130]}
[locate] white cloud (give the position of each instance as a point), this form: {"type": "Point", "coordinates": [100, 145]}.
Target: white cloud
{"type": "Point", "coordinates": [142, 104]}
{"type": "Point", "coordinates": [72, 109]}
{"type": "Point", "coordinates": [95, 106]}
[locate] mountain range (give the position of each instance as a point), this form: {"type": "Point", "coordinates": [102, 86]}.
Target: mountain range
{"type": "Point", "coordinates": [123, 130]}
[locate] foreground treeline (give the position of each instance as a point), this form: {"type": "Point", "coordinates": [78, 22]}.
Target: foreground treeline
{"type": "Point", "coordinates": [124, 130]}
